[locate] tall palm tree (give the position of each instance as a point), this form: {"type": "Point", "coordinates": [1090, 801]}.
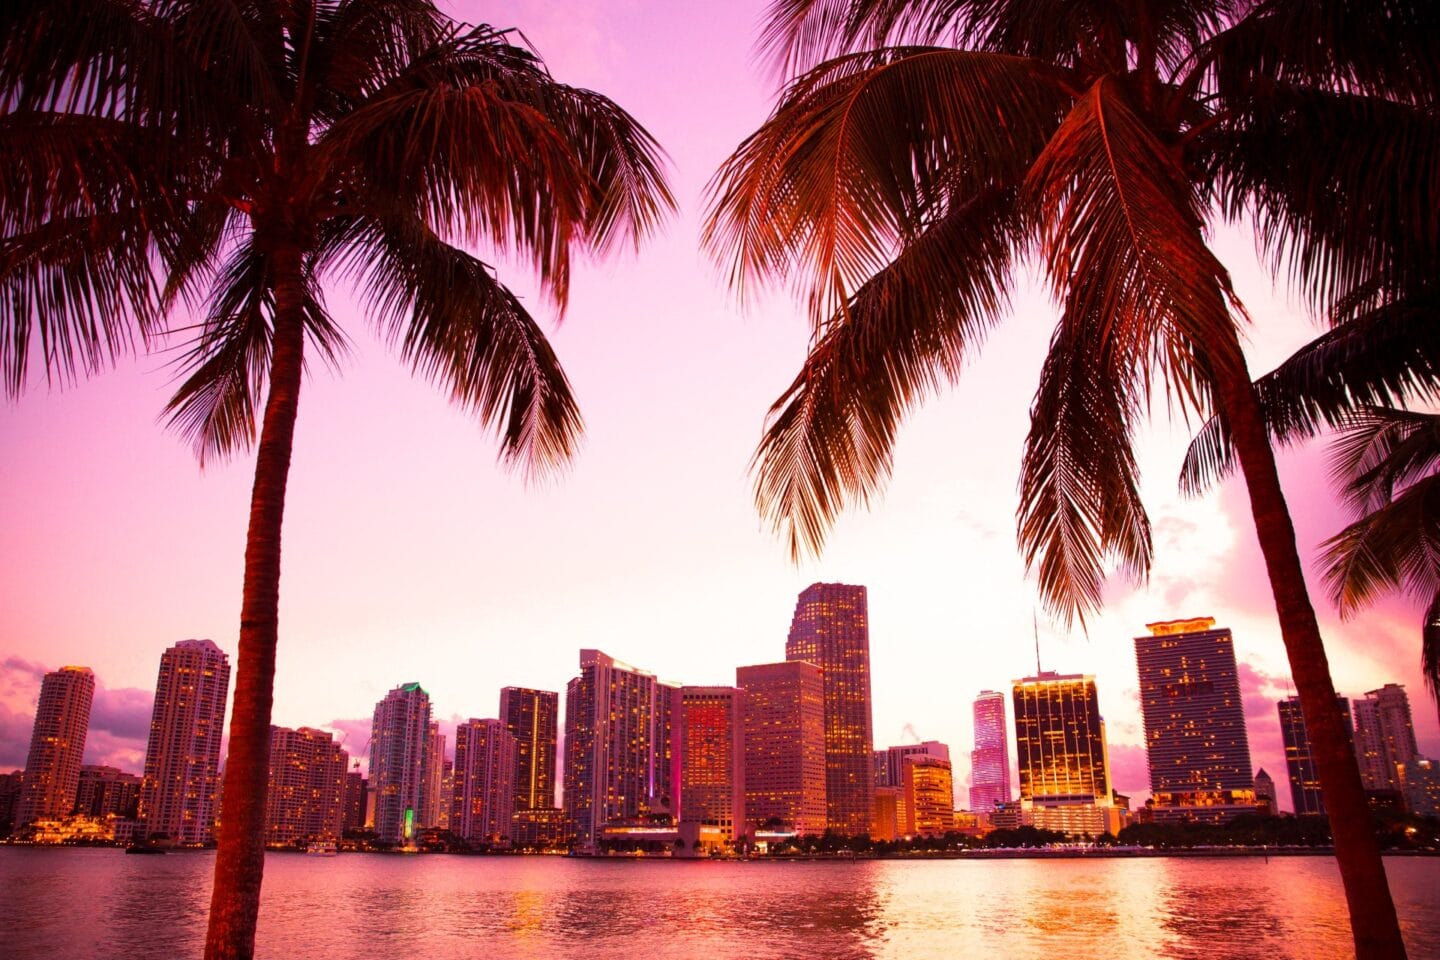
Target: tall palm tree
{"type": "Point", "coordinates": [233, 155]}
{"type": "Point", "coordinates": [1377, 355]}
{"type": "Point", "coordinates": [923, 147]}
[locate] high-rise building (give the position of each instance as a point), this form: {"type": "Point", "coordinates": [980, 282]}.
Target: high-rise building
{"type": "Point", "coordinates": [618, 748]}
{"type": "Point", "coordinates": [433, 802]}
{"type": "Point", "coordinates": [895, 758]}
{"type": "Point", "coordinates": [483, 799]}
{"type": "Point", "coordinates": [1063, 759]}
{"type": "Point", "coordinates": [57, 745]}
{"type": "Point", "coordinates": [929, 796]}
{"type": "Point", "coordinates": [306, 798]}
{"type": "Point", "coordinates": [10, 786]}
{"type": "Point", "coordinates": [1422, 787]}
{"type": "Point", "coordinates": [107, 791]}
{"type": "Point", "coordinates": [1304, 779]}
{"type": "Point", "coordinates": [182, 758]}
{"type": "Point", "coordinates": [1384, 736]}
{"type": "Point", "coordinates": [399, 746]}
{"type": "Point", "coordinates": [1265, 797]}
{"type": "Point", "coordinates": [712, 770]}
{"type": "Point", "coordinates": [532, 717]}
{"type": "Point", "coordinates": [1195, 735]}
{"type": "Point", "coordinates": [784, 746]}
{"type": "Point", "coordinates": [356, 788]}
{"type": "Point", "coordinates": [990, 760]}
{"type": "Point", "coordinates": [831, 629]}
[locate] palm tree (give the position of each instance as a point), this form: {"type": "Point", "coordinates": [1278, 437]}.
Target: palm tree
{"type": "Point", "coordinates": [923, 147]}
{"type": "Point", "coordinates": [233, 155]}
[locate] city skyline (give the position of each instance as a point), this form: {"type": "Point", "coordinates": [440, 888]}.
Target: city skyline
{"type": "Point", "coordinates": [120, 544]}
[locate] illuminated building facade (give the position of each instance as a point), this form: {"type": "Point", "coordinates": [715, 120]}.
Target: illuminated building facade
{"type": "Point", "coordinates": [484, 792]}
{"type": "Point", "coordinates": [1384, 736]}
{"type": "Point", "coordinates": [306, 797]}
{"type": "Point", "coordinates": [541, 828]}
{"type": "Point", "coordinates": [1195, 736]}
{"type": "Point", "coordinates": [619, 749]}
{"type": "Point", "coordinates": [182, 757]}
{"type": "Point", "coordinates": [1422, 787]}
{"type": "Point", "coordinates": [532, 717]}
{"type": "Point", "coordinates": [399, 745]}
{"type": "Point", "coordinates": [1061, 750]}
{"type": "Point", "coordinates": [1304, 779]}
{"type": "Point", "coordinates": [990, 760]}
{"type": "Point", "coordinates": [57, 745]}
{"type": "Point", "coordinates": [784, 747]}
{"type": "Point", "coordinates": [888, 822]}
{"type": "Point", "coordinates": [831, 629]}
{"type": "Point", "coordinates": [434, 804]}
{"type": "Point", "coordinates": [896, 757]}
{"type": "Point", "coordinates": [107, 791]}
{"type": "Point", "coordinates": [929, 797]}
{"type": "Point", "coordinates": [712, 751]}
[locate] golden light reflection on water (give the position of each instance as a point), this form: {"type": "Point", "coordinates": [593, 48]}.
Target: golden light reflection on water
{"type": "Point", "coordinates": [93, 903]}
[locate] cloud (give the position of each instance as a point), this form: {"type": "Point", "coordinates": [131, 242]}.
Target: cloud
{"type": "Point", "coordinates": [123, 712]}
{"type": "Point", "coordinates": [15, 731]}
{"type": "Point", "coordinates": [1130, 772]}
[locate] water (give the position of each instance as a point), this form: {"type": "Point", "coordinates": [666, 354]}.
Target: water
{"type": "Point", "coordinates": [101, 903]}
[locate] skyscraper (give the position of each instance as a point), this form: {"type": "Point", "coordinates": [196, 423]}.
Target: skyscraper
{"type": "Point", "coordinates": [182, 758]}
{"type": "Point", "coordinates": [107, 791]}
{"type": "Point", "coordinates": [57, 745]}
{"type": "Point", "coordinates": [433, 802]}
{"type": "Point", "coordinates": [831, 629]}
{"type": "Point", "coordinates": [990, 760]}
{"type": "Point", "coordinates": [356, 788]}
{"type": "Point", "coordinates": [483, 800]}
{"type": "Point", "coordinates": [399, 741]}
{"type": "Point", "coordinates": [712, 771]}
{"type": "Point", "coordinates": [617, 758]}
{"type": "Point", "coordinates": [1063, 760]}
{"type": "Point", "coordinates": [1304, 779]}
{"type": "Point", "coordinates": [306, 798]}
{"type": "Point", "coordinates": [1195, 735]}
{"type": "Point", "coordinates": [784, 746]}
{"type": "Point", "coordinates": [532, 717]}
{"type": "Point", "coordinates": [1265, 797]}
{"type": "Point", "coordinates": [1384, 736]}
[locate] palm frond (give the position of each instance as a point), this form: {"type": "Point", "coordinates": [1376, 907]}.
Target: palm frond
{"type": "Point", "coordinates": [907, 331]}
{"type": "Point", "coordinates": [1377, 355]}
{"type": "Point", "coordinates": [1383, 450]}
{"type": "Point", "coordinates": [1080, 507]}
{"type": "Point", "coordinates": [862, 153]}
{"type": "Point", "coordinates": [1394, 547]}
{"type": "Point", "coordinates": [1122, 241]}
{"type": "Point", "coordinates": [460, 328]}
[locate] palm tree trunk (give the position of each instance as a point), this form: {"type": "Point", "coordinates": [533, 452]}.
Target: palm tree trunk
{"type": "Point", "coordinates": [240, 863]}
{"type": "Point", "coordinates": [1372, 911]}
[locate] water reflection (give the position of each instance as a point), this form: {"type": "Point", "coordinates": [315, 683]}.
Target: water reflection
{"type": "Point", "coordinates": [99, 903]}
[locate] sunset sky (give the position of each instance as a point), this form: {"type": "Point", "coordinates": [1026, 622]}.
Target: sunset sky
{"type": "Point", "coordinates": [410, 555]}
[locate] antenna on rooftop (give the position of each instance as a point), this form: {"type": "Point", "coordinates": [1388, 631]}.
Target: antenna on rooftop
{"type": "Point", "coordinates": [1035, 627]}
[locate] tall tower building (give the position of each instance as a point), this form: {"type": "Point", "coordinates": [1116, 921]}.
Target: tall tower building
{"type": "Point", "coordinates": [434, 804]}
{"type": "Point", "coordinates": [712, 772]}
{"type": "Point", "coordinates": [784, 746]}
{"type": "Point", "coordinates": [1384, 736]}
{"type": "Point", "coordinates": [1304, 779]}
{"type": "Point", "coordinates": [1195, 735]}
{"type": "Point", "coordinates": [356, 789]}
{"type": "Point", "coordinates": [831, 629]}
{"type": "Point", "coordinates": [483, 800]}
{"type": "Point", "coordinates": [532, 717]}
{"type": "Point", "coordinates": [617, 756]}
{"type": "Point", "coordinates": [182, 758]}
{"type": "Point", "coordinates": [1063, 759]}
{"type": "Point", "coordinates": [399, 746]}
{"type": "Point", "coordinates": [990, 760]}
{"type": "Point", "coordinates": [57, 745]}
{"type": "Point", "coordinates": [306, 798]}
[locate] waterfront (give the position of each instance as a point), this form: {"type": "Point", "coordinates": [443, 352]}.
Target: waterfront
{"type": "Point", "coordinates": [79, 903]}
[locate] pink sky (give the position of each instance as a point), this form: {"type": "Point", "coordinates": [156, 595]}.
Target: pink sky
{"type": "Point", "coordinates": [410, 556]}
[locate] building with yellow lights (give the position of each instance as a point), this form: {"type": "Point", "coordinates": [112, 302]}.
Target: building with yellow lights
{"type": "Point", "coordinates": [482, 805]}
{"type": "Point", "coordinates": [831, 629]}
{"type": "Point", "coordinates": [181, 785]}
{"type": "Point", "coordinates": [929, 797]}
{"type": "Point", "coordinates": [532, 717]}
{"type": "Point", "coordinates": [306, 796]}
{"type": "Point", "coordinates": [57, 745]}
{"type": "Point", "coordinates": [1063, 760]}
{"type": "Point", "coordinates": [784, 746]}
{"type": "Point", "coordinates": [712, 767]}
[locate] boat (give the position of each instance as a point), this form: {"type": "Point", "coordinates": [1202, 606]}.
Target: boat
{"type": "Point", "coordinates": [322, 848]}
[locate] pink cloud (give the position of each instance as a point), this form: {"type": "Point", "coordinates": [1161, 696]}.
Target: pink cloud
{"type": "Point", "coordinates": [1130, 771]}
